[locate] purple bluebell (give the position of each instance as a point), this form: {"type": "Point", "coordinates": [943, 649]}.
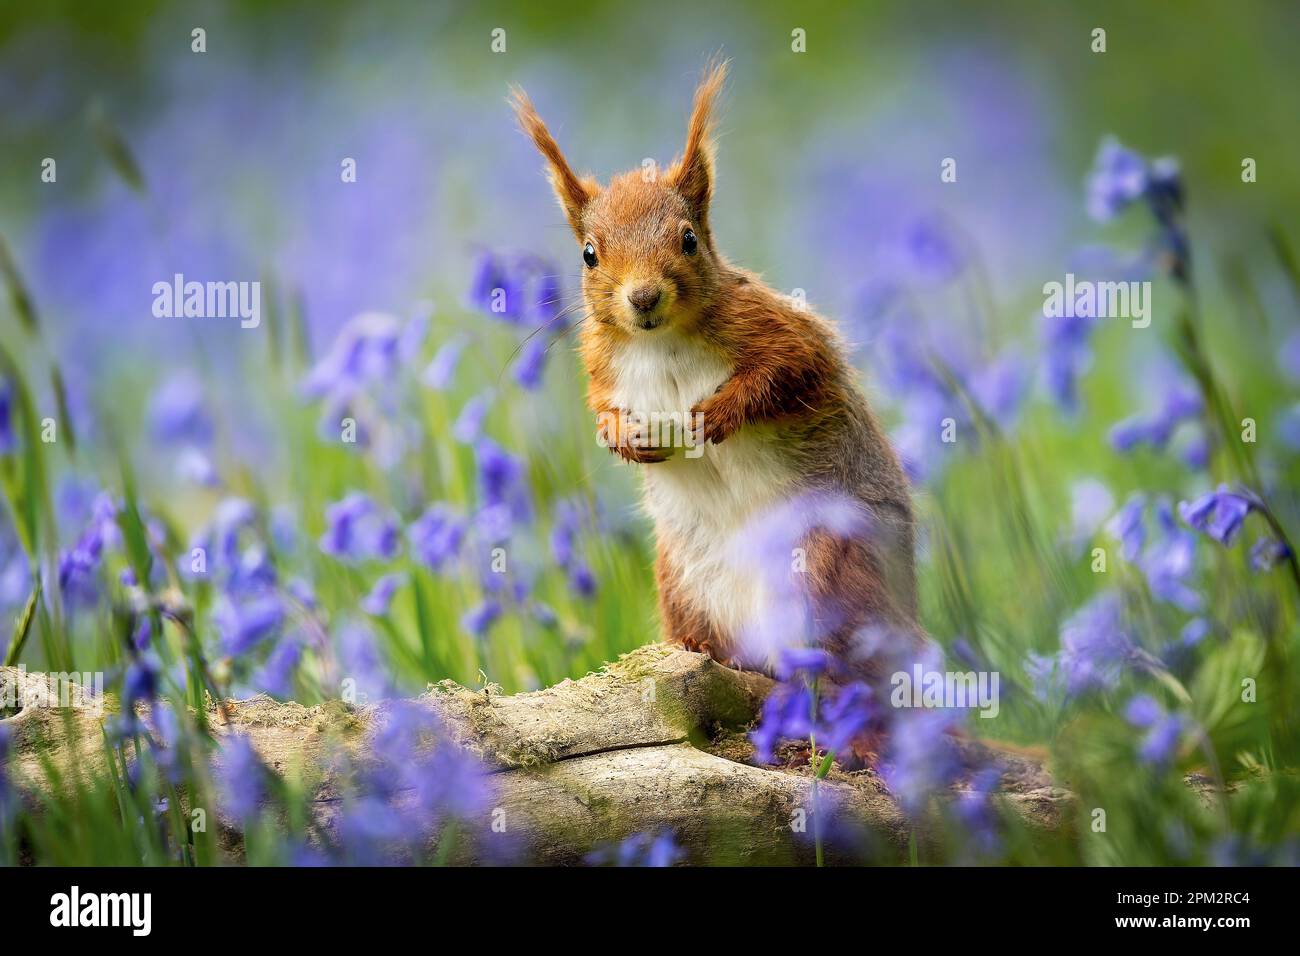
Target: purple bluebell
{"type": "Point", "coordinates": [436, 536]}
{"type": "Point", "coordinates": [1128, 527]}
{"type": "Point", "coordinates": [1090, 504]}
{"type": "Point", "coordinates": [1267, 553]}
{"type": "Point", "coordinates": [8, 438]}
{"type": "Point", "coordinates": [276, 675]}
{"type": "Point", "coordinates": [479, 619]}
{"type": "Point", "coordinates": [178, 412]}
{"type": "Point", "coordinates": [498, 470]}
{"type": "Point", "coordinates": [242, 624]}
{"type": "Point", "coordinates": [1289, 356]}
{"type": "Point", "coordinates": [931, 249]}
{"type": "Point", "coordinates": [639, 849]}
{"type": "Point", "coordinates": [1095, 648]}
{"type": "Point", "coordinates": [361, 662]}
{"type": "Point", "coordinates": [531, 363]}
{"type": "Point", "coordinates": [1119, 177]}
{"type": "Point", "coordinates": [1288, 427]}
{"type": "Point", "coordinates": [1169, 561]}
{"type": "Point", "coordinates": [919, 758]}
{"type": "Point", "coordinates": [494, 524]}
{"type": "Point", "coordinates": [442, 369]}
{"type": "Point", "coordinates": [240, 776]}
{"type": "Point", "coordinates": [768, 548]}
{"type": "Point", "coordinates": [495, 289]}
{"type": "Point", "coordinates": [468, 427]}
{"type": "Point", "coordinates": [358, 529]}
{"type": "Point", "coordinates": [975, 812]}
{"type": "Point", "coordinates": [381, 594]}
{"type": "Point", "coordinates": [1219, 514]}
{"type": "Point", "coordinates": [581, 579]}
{"type": "Point", "coordinates": [369, 349]}
{"type": "Point", "coordinates": [1162, 730]}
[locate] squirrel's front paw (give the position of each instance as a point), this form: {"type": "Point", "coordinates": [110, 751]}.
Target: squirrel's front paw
{"type": "Point", "coordinates": [712, 420]}
{"type": "Point", "coordinates": [624, 435]}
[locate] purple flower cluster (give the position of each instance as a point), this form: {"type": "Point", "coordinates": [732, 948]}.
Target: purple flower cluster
{"type": "Point", "coordinates": [521, 290]}
{"type": "Point", "coordinates": [1162, 730]}
{"type": "Point", "coordinates": [1095, 648]}
{"type": "Point", "coordinates": [640, 849]}
{"type": "Point", "coordinates": [1220, 514]}
{"type": "Point", "coordinates": [358, 529]}
{"type": "Point", "coordinates": [1167, 559]}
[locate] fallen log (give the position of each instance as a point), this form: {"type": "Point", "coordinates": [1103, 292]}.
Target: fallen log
{"type": "Point", "coordinates": [654, 742]}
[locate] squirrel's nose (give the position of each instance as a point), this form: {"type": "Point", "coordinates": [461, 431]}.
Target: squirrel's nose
{"type": "Point", "coordinates": [644, 298]}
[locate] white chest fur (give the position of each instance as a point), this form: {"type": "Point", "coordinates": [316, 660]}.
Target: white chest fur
{"type": "Point", "coordinates": [699, 503]}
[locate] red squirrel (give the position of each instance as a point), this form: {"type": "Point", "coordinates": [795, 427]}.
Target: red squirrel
{"type": "Point", "coordinates": [673, 327]}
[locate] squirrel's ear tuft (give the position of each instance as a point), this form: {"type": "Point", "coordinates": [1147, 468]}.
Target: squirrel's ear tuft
{"type": "Point", "coordinates": [692, 175]}
{"type": "Point", "coordinates": [573, 192]}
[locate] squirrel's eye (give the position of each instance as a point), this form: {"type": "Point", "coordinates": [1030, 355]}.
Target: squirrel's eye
{"type": "Point", "coordinates": [689, 242]}
{"type": "Point", "coordinates": [589, 255]}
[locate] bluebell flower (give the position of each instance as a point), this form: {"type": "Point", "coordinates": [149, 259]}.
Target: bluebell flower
{"type": "Point", "coordinates": [1090, 504]}
{"type": "Point", "coordinates": [1219, 514]}
{"type": "Point", "coordinates": [531, 363]}
{"type": "Point", "coordinates": [1288, 426]}
{"type": "Point", "coordinates": [1267, 553]}
{"type": "Point", "coordinates": [495, 290]}
{"type": "Point", "coordinates": [468, 427]}
{"type": "Point", "coordinates": [581, 579]}
{"type": "Point", "coordinates": [1128, 527]}
{"type": "Point", "coordinates": [494, 524]}
{"type": "Point", "coordinates": [766, 547]}
{"type": "Point", "coordinates": [381, 594]}
{"type": "Point", "coordinates": [1180, 404]}
{"type": "Point", "coordinates": [369, 349]}
{"type": "Point", "coordinates": [436, 536]}
{"type": "Point", "coordinates": [1194, 631]}
{"type": "Point", "coordinates": [640, 849]}
{"type": "Point", "coordinates": [8, 438]}
{"type": "Point", "coordinates": [79, 566]}
{"type": "Point", "coordinates": [975, 811]}
{"type": "Point", "coordinates": [178, 413]}
{"type": "Point", "coordinates": [1163, 730]}
{"type": "Point", "coordinates": [9, 802]}
{"type": "Point", "coordinates": [240, 777]}
{"type": "Point", "coordinates": [140, 684]}
{"type": "Point", "coordinates": [276, 675]}
{"type": "Point", "coordinates": [479, 619]}
{"type": "Point", "coordinates": [1119, 177]}
{"type": "Point", "coordinates": [931, 250]}
{"type": "Point", "coordinates": [919, 758]}
{"type": "Point", "coordinates": [1095, 647]}
{"type": "Point", "coordinates": [1169, 561]}
{"type": "Point", "coordinates": [243, 624]}
{"type": "Point", "coordinates": [999, 387]}
{"type": "Point", "coordinates": [1143, 711]}
{"type": "Point", "coordinates": [360, 661]}
{"type": "Point", "coordinates": [1289, 357]}
{"type": "Point", "coordinates": [195, 466]}
{"type": "Point", "coordinates": [564, 532]}
{"type": "Point", "coordinates": [1066, 356]}
{"type": "Point", "coordinates": [498, 470]}
{"type": "Point", "coordinates": [358, 530]}
{"type": "Point", "coordinates": [440, 371]}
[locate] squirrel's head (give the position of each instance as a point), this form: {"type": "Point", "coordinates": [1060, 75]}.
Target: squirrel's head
{"type": "Point", "coordinates": [644, 241]}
